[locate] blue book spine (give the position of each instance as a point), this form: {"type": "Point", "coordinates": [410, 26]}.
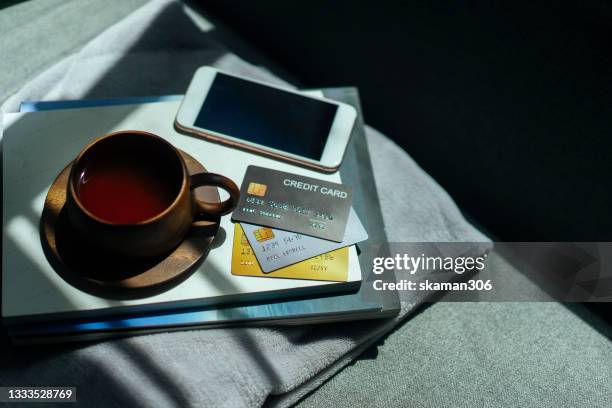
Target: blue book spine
{"type": "Point", "coordinates": [35, 106]}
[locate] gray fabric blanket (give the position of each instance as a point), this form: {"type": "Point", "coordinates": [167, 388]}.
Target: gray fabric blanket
{"type": "Point", "coordinates": [154, 51]}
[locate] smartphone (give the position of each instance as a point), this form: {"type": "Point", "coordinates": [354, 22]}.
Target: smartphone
{"type": "Point", "coordinates": [266, 119]}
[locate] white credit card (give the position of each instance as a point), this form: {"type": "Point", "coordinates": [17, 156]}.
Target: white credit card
{"type": "Point", "coordinates": [275, 249]}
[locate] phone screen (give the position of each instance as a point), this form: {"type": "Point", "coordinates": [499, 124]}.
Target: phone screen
{"type": "Point", "coordinates": [267, 116]}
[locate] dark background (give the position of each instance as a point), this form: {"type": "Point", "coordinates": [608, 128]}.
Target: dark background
{"type": "Point", "coordinates": [506, 105]}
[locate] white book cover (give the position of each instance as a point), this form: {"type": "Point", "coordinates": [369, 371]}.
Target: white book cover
{"type": "Point", "coordinates": [36, 146]}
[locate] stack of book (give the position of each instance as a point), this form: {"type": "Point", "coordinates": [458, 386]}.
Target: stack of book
{"type": "Point", "coordinates": [229, 287]}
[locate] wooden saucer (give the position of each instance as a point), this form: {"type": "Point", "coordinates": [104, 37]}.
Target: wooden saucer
{"type": "Point", "coordinates": [110, 276]}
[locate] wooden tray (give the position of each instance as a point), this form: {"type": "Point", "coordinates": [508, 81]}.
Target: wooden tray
{"type": "Point", "coordinates": [110, 276]}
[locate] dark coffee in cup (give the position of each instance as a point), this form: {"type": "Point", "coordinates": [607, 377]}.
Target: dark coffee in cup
{"type": "Point", "coordinates": [125, 186]}
{"type": "Point", "coordinates": [130, 193]}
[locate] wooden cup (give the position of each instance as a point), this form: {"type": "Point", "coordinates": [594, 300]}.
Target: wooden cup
{"type": "Point", "coordinates": [161, 233]}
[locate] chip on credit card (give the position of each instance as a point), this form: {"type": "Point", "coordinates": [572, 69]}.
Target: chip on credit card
{"type": "Point", "coordinates": [291, 202]}
{"type": "Point", "coordinates": [276, 249]}
{"type": "Point", "coordinates": [331, 266]}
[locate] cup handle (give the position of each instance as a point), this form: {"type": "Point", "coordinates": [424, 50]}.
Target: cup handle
{"type": "Point", "coordinates": [216, 180]}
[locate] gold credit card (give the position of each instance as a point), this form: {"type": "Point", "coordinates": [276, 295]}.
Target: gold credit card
{"type": "Point", "coordinates": [331, 266]}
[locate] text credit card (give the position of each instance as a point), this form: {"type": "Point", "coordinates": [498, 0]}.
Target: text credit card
{"type": "Point", "coordinates": [294, 203]}
{"type": "Point", "coordinates": [331, 266]}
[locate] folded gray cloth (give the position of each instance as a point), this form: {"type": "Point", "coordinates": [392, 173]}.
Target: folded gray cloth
{"type": "Point", "coordinates": [153, 51]}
